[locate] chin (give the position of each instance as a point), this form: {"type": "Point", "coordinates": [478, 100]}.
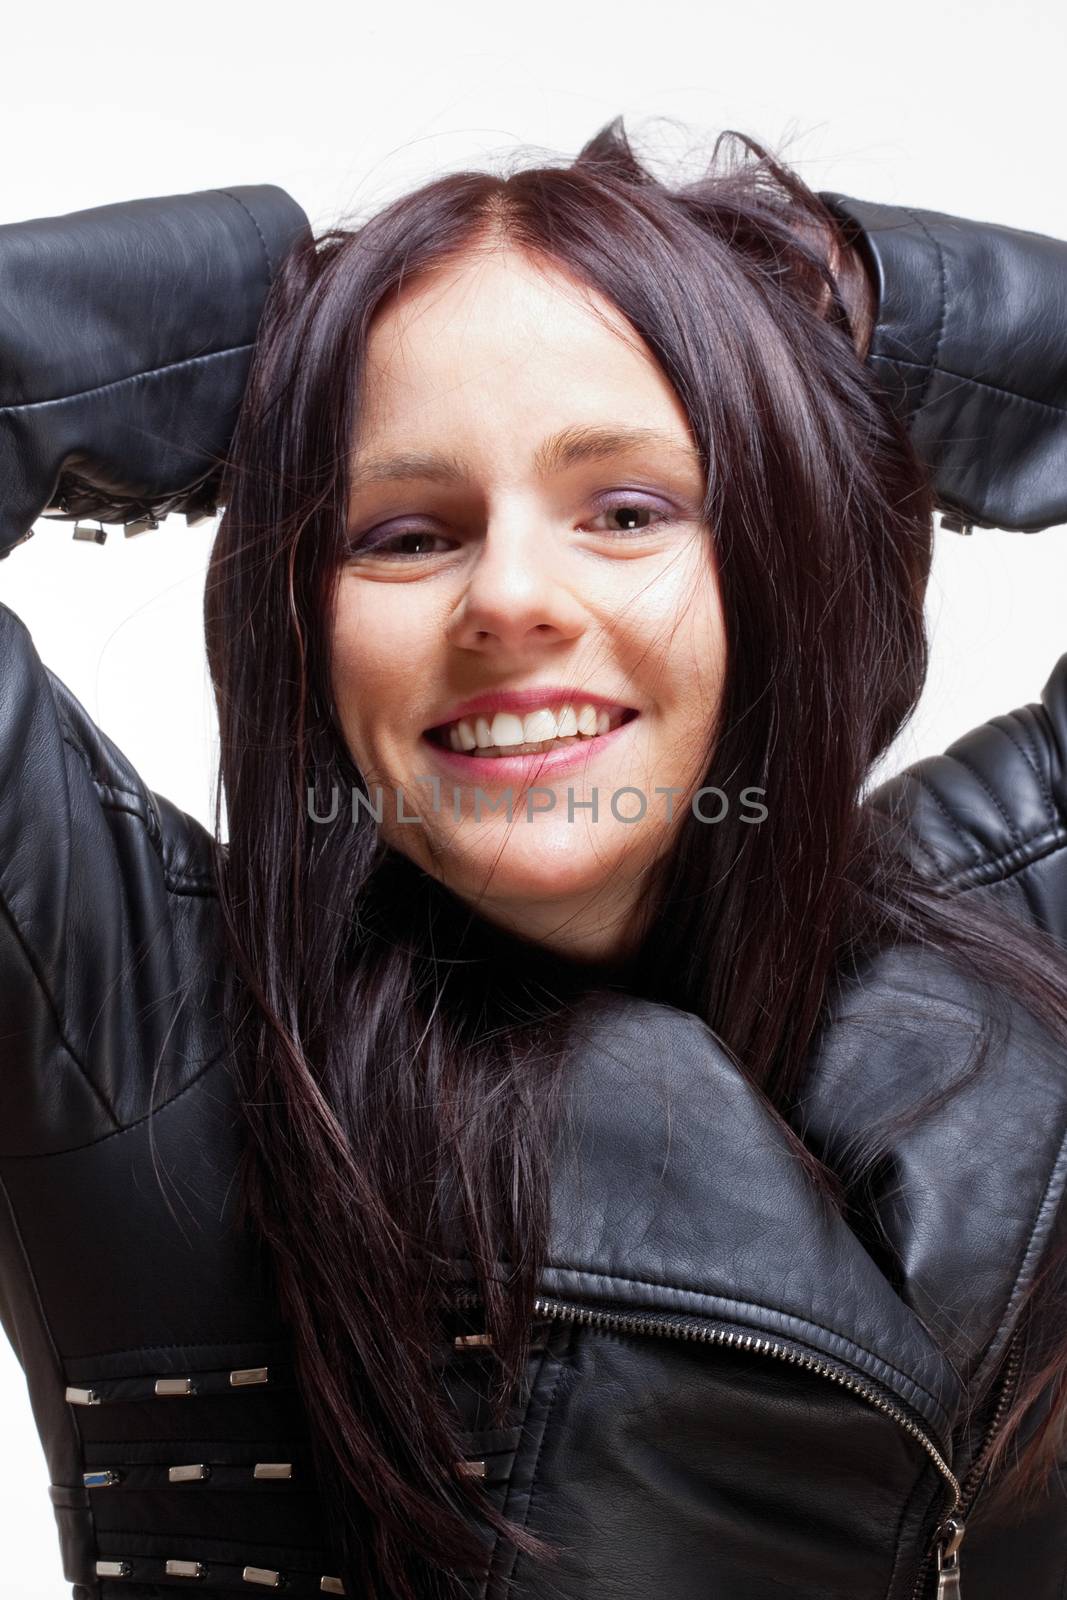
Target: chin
{"type": "Point", "coordinates": [533, 872]}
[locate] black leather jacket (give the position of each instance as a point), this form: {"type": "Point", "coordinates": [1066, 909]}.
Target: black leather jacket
{"type": "Point", "coordinates": [731, 1395]}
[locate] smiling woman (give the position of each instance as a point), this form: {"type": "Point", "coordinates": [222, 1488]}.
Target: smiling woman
{"type": "Point", "coordinates": [551, 495]}
{"type": "Point", "coordinates": [545, 560]}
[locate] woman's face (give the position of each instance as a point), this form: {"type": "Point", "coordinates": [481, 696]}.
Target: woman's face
{"type": "Point", "coordinates": [527, 572]}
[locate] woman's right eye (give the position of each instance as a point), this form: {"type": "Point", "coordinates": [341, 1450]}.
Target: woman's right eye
{"type": "Point", "coordinates": [382, 542]}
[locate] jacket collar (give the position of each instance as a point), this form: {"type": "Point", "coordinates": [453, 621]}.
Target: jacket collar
{"type": "Point", "coordinates": [676, 1190]}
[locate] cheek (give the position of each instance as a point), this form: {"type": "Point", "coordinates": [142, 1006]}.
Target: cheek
{"type": "Point", "coordinates": [374, 663]}
{"type": "Point", "coordinates": [682, 640]}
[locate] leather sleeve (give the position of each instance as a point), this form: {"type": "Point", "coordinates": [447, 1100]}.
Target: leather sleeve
{"type": "Point", "coordinates": [989, 815]}
{"type": "Point", "coordinates": [125, 339]}
{"type": "Point", "coordinates": [970, 346]}
{"type": "Point", "coordinates": [126, 333]}
{"type": "Point", "coordinates": [105, 916]}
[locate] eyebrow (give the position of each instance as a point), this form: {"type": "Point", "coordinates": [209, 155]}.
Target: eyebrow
{"type": "Point", "coordinates": [568, 448]}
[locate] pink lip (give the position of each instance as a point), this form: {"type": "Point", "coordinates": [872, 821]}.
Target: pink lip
{"type": "Point", "coordinates": [485, 770]}
{"type": "Point", "coordinates": [545, 694]}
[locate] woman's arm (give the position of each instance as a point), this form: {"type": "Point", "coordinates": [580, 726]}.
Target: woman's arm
{"type": "Point", "coordinates": [125, 337]}
{"type": "Point", "coordinates": [970, 344]}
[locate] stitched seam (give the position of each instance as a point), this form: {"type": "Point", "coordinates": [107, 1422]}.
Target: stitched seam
{"type": "Point", "coordinates": [108, 790]}
{"type": "Point", "coordinates": [73, 1421]}
{"type": "Point", "coordinates": [1056, 1176]}
{"type": "Point", "coordinates": [255, 224]}
{"type": "Point", "coordinates": [924, 1471]}
{"type": "Point", "coordinates": [200, 1344]}
{"type": "Point", "coordinates": [117, 383]}
{"type": "Point", "coordinates": [53, 1011]}
{"type": "Point", "coordinates": [127, 1127]}
{"type": "Point", "coordinates": [943, 317]}
{"type": "Point", "coordinates": [1030, 756]}
{"type": "Point", "coordinates": [995, 863]}
{"type": "Point", "coordinates": [550, 1408]}
{"type": "Point", "coordinates": [979, 383]}
{"type": "Point", "coordinates": [221, 1543]}
{"type": "Point", "coordinates": [110, 796]}
{"type": "Point", "coordinates": [969, 766]}
{"type": "Point", "coordinates": [911, 840]}
{"type": "Point", "coordinates": [757, 1305]}
{"type": "Point", "coordinates": [968, 844]}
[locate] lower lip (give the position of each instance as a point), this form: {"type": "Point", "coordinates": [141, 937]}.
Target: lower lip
{"type": "Point", "coordinates": [486, 770]}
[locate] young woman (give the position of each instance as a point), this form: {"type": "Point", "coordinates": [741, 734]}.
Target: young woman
{"type": "Point", "coordinates": [572, 1139]}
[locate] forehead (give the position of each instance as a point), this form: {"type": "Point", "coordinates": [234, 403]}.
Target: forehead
{"type": "Point", "coordinates": [501, 342]}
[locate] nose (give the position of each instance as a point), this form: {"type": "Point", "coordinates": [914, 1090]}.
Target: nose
{"type": "Point", "coordinates": [519, 595]}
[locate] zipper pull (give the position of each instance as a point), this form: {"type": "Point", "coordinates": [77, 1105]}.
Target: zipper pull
{"type": "Point", "coordinates": [948, 1560]}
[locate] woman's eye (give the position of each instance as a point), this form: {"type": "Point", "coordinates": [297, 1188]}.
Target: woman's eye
{"type": "Point", "coordinates": [402, 544]}
{"type": "Point", "coordinates": [632, 515]}
{"type": "Point", "coordinates": [631, 512]}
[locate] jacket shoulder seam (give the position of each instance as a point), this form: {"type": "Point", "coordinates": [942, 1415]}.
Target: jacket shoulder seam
{"type": "Point", "coordinates": [32, 963]}
{"type": "Point", "coordinates": [140, 805]}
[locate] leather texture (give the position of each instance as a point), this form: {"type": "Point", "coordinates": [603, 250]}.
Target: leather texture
{"type": "Point", "coordinates": [980, 375]}
{"type": "Point", "coordinates": [733, 1391]}
{"type": "Point", "coordinates": [125, 337]}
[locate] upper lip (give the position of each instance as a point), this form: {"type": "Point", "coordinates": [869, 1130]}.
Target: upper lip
{"type": "Point", "coordinates": [541, 696]}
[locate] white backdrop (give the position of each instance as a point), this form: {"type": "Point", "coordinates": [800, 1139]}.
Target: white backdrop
{"type": "Point", "coordinates": [953, 106]}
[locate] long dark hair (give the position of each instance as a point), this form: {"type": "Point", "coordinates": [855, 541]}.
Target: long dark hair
{"type": "Point", "coordinates": [398, 1061]}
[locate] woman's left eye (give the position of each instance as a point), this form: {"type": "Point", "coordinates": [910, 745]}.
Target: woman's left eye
{"type": "Point", "coordinates": [629, 508]}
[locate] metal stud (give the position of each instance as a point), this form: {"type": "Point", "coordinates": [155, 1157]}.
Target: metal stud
{"type": "Point", "coordinates": [331, 1586]}
{"type": "Point", "coordinates": [185, 1569]}
{"type": "Point", "coordinates": [102, 1479]}
{"type": "Point", "coordinates": [471, 1469]}
{"type": "Point", "coordinates": [472, 1341]}
{"type": "Point", "coordinates": [95, 532]}
{"type": "Point", "coordinates": [175, 1386]}
{"type": "Point", "coordinates": [141, 525]}
{"type": "Point", "coordinates": [81, 1397]}
{"type": "Point", "coordinates": [196, 1472]}
{"type": "Point", "coordinates": [113, 1569]}
{"type": "Point", "coordinates": [262, 1575]}
{"type": "Point", "coordinates": [273, 1469]}
{"type": "Point", "coordinates": [954, 524]}
{"type": "Point", "coordinates": [246, 1375]}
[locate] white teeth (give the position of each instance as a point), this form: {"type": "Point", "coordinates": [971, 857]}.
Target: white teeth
{"type": "Point", "coordinates": [538, 727]}
{"type": "Point", "coordinates": [506, 730]}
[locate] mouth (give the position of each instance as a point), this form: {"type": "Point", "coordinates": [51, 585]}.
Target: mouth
{"type": "Point", "coordinates": [506, 734]}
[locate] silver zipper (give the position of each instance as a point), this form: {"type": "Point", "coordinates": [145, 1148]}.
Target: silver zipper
{"type": "Point", "coordinates": [706, 1333]}
{"type": "Point", "coordinates": [954, 1525]}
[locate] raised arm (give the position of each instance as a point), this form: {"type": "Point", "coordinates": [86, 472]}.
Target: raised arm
{"type": "Point", "coordinates": [970, 344]}
{"type": "Point", "coordinates": [125, 337]}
